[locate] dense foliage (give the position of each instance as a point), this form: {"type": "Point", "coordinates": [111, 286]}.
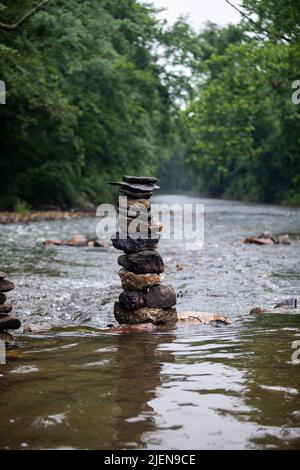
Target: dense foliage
{"type": "Point", "coordinates": [97, 88]}
{"type": "Point", "coordinates": [85, 101]}
{"type": "Point", "coordinates": [244, 128]}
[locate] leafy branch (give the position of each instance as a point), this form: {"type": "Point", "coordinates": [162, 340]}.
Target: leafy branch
{"type": "Point", "coordinates": [29, 14]}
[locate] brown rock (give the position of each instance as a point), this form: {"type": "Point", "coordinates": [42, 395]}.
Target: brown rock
{"type": "Point", "coordinates": [256, 310]}
{"type": "Point", "coordinates": [2, 275]}
{"type": "Point", "coordinates": [202, 317]}
{"type": "Point", "coordinates": [144, 315]}
{"type": "Point", "coordinates": [132, 281]}
{"type": "Point", "coordinates": [8, 322]}
{"type": "Point", "coordinates": [162, 296]}
{"type": "Point", "coordinates": [148, 261]}
{"type": "Point", "coordinates": [135, 204]}
{"type": "Point", "coordinates": [6, 286]}
{"type": "Point", "coordinates": [135, 194]}
{"type": "Point", "coordinates": [48, 243]}
{"type": "Point", "coordinates": [5, 308]}
{"type": "Point", "coordinates": [2, 298]}
{"type": "Point", "coordinates": [7, 338]}
{"type": "Point", "coordinates": [132, 299]}
{"type": "Point", "coordinates": [78, 240]}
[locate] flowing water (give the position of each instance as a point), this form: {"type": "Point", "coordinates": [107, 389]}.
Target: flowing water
{"type": "Point", "coordinates": [190, 386]}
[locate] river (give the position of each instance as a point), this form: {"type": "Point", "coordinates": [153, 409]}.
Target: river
{"type": "Point", "coordinates": [187, 387]}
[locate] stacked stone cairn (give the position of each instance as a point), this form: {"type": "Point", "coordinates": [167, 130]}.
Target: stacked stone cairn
{"type": "Point", "coordinates": [144, 298]}
{"type": "Point", "coordinates": [7, 322]}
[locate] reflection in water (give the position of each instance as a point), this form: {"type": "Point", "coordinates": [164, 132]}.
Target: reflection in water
{"type": "Point", "coordinates": [140, 364]}
{"type": "Point", "coordinates": [191, 387]}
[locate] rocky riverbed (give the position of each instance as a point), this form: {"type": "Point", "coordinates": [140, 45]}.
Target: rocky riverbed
{"type": "Point", "coordinates": [188, 386]}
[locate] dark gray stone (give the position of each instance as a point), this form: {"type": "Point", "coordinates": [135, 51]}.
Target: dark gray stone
{"type": "Point", "coordinates": [6, 286]}
{"type": "Point", "coordinates": [5, 308]}
{"type": "Point", "coordinates": [129, 245]}
{"type": "Point", "coordinates": [162, 296]}
{"type": "Point", "coordinates": [140, 179]}
{"type": "Point", "coordinates": [2, 298]}
{"type": "Point", "coordinates": [132, 299]}
{"type": "Point", "coordinates": [144, 315]}
{"type": "Point", "coordinates": [148, 261]}
{"type": "Point", "coordinates": [8, 322]}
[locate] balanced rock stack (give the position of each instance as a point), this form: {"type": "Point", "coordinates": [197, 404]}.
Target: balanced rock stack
{"type": "Point", "coordinates": [7, 322]}
{"type": "Point", "coordinates": [144, 299]}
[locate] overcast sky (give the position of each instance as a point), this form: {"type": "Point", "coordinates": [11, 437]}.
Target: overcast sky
{"type": "Point", "coordinates": [217, 11]}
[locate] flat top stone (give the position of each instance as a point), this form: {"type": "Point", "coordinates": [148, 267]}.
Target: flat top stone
{"type": "Point", "coordinates": [6, 285]}
{"type": "Point", "coordinates": [139, 179]}
{"type": "Point", "coordinates": [146, 187]}
{"type": "Point", "coordinates": [2, 275]}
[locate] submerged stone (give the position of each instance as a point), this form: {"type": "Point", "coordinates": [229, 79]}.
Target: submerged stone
{"type": "Point", "coordinates": [144, 315]}
{"type": "Point", "coordinates": [148, 261]}
{"type": "Point", "coordinates": [132, 281]}
{"type": "Point", "coordinates": [162, 296]}
{"type": "Point", "coordinates": [195, 317]}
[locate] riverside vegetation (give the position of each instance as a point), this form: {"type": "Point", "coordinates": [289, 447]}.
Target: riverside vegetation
{"type": "Point", "coordinates": [100, 88]}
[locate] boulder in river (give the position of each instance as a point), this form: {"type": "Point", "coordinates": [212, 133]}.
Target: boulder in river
{"type": "Point", "coordinates": [145, 315]}
{"type": "Point", "coordinates": [132, 281]}
{"type": "Point", "coordinates": [78, 240]}
{"type": "Point", "coordinates": [162, 296]}
{"type": "Point", "coordinates": [148, 261]}
{"type": "Point", "coordinates": [6, 286]}
{"type": "Point", "coordinates": [195, 317]}
{"type": "Point", "coordinates": [132, 299]}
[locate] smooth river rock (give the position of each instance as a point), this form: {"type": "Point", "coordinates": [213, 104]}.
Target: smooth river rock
{"type": "Point", "coordinates": [6, 286]}
{"type": "Point", "coordinates": [162, 296]}
{"type": "Point", "coordinates": [139, 179]}
{"type": "Point", "coordinates": [8, 322]}
{"type": "Point", "coordinates": [128, 245]}
{"type": "Point", "coordinates": [132, 281]}
{"type": "Point", "coordinates": [132, 299]}
{"type": "Point", "coordinates": [148, 261]}
{"type": "Point", "coordinates": [134, 204]}
{"type": "Point", "coordinates": [195, 317]}
{"type": "Point", "coordinates": [144, 315]}
{"type": "Point", "coordinates": [5, 308]}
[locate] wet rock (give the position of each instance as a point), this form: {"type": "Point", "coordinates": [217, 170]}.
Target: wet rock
{"type": "Point", "coordinates": [2, 298]}
{"type": "Point", "coordinates": [129, 245]}
{"type": "Point", "coordinates": [162, 296]}
{"type": "Point", "coordinates": [54, 242]}
{"type": "Point", "coordinates": [6, 286]}
{"type": "Point", "coordinates": [139, 179]}
{"type": "Point", "coordinates": [8, 322]}
{"type": "Point", "coordinates": [288, 303]}
{"type": "Point", "coordinates": [2, 275]}
{"type": "Point", "coordinates": [202, 318]}
{"type": "Point", "coordinates": [78, 240]}
{"type": "Point", "coordinates": [134, 204]}
{"type": "Point", "coordinates": [284, 239]}
{"type": "Point", "coordinates": [259, 240]}
{"type": "Point", "coordinates": [132, 299]}
{"type": "Point", "coordinates": [136, 187]}
{"type": "Point", "coordinates": [132, 281]}
{"type": "Point", "coordinates": [135, 194]}
{"type": "Point", "coordinates": [7, 338]}
{"type": "Point", "coordinates": [256, 310]}
{"type": "Point", "coordinates": [148, 261]}
{"type": "Point", "coordinates": [5, 308]}
{"type": "Point", "coordinates": [141, 328]}
{"type": "Point", "coordinates": [145, 315]}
